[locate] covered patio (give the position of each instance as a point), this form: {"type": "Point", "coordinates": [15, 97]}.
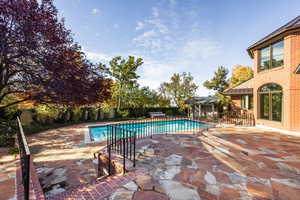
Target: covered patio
{"type": "Point", "coordinates": [203, 107]}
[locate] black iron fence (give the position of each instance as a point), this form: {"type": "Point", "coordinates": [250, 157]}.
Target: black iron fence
{"type": "Point", "coordinates": [123, 142]}
{"type": "Point", "coordinates": [24, 159]}
{"type": "Point", "coordinates": [165, 124]}
{"type": "Point", "coordinates": [238, 118]}
{"type": "Point", "coordinates": [121, 137]}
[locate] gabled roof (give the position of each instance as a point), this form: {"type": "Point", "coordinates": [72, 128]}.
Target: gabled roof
{"type": "Point", "coordinates": [291, 25]}
{"type": "Point", "coordinates": [243, 88]}
{"type": "Point", "coordinates": [297, 71]}
{"type": "Point", "coordinates": [202, 100]}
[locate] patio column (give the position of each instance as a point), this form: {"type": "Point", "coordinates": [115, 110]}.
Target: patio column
{"type": "Point", "coordinates": [200, 110]}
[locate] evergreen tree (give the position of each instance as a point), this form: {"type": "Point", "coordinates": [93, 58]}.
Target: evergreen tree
{"type": "Point", "coordinates": [219, 82]}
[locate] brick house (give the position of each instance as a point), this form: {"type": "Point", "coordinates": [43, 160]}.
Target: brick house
{"type": "Point", "coordinates": [273, 94]}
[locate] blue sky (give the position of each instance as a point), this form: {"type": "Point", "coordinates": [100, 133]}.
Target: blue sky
{"type": "Point", "coordinates": [174, 35]}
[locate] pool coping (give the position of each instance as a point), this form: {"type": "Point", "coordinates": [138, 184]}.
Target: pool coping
{"type": "Point", "coordinates": [87, 133]}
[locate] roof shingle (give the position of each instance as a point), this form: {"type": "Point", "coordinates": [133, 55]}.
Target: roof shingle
{"type": "Point", "coordinates": [293, 24]}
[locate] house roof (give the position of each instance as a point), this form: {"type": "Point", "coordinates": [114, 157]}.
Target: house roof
{"type": "Point", "coordinates": [238, 91]}
{"type": "Point", "coordinates": [243, 88]}
{"type": "Point", "coordinates": [202, 100]}
{"type": "Point", "coordinates": [291, 25]}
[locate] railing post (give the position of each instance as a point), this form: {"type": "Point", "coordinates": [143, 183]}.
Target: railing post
{"type": "Point", "coordinates": [130, 145]}
{"type": "Point", "coordinates": [27, 179]}
{"type": "Point", "coordinates": [127, 142]}
{"type": "Point", "coordinates": [134, 145]}
{"type": "Point", "coordinates": [99, 168]}
{"type": "Point", "coordinates": [25, 161]}
{"type": "Point", "coordinates": [109, 160]}
{"type": "Point", "coordinates": [124, 162]}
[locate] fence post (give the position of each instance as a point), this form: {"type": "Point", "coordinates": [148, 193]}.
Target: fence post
{"type": "Point", "coordinates": [109, 160]}
{"type": "Point", "coordinates": [27, 179]}
{"type": "Point", "coordinates": [124, 160]}
{"type": "Point", "coordinates": [24, 159]}
{"type": "Point", "coordinates": [134, 143]}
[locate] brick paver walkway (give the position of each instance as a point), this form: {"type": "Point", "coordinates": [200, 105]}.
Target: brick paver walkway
{"type": "Point", "coordinates": [7, 175]}
{"type": "Point", "coordinates": [97, 189]}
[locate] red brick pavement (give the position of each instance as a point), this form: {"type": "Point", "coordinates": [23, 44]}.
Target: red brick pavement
{"type": "Point", "coordinates": [36, 191]}
{"type": "Point", "coordinates": [99, 189]}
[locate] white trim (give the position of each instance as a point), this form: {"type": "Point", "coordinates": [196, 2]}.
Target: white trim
{"type": "Point", "coordinates": [87, 136]}
{"type": "Point", "coordinates": [279, 130]}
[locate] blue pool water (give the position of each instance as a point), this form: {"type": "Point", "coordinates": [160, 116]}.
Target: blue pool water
{"type": "Point", "coordinates": [98, 133]}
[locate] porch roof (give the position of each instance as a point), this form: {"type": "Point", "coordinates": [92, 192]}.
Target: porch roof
{"type": "Point", "coordinates": [202, 100]}
{"type": "Point", "coordinates": [243, 88]}
{"type": "Point", "coordinates": [238, 91]}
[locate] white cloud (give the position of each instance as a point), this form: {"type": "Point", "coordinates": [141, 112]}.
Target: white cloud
{"type": "Point", "coordinates": [169, 43]}
{"type": "Point", "coordinates": [116, 26]}
{"type": "Point", "coordinates": [147, 39]}
{"type": "Point", "coordinates": [94, 11]}
{"type": "Point", "coordinates": [140, 26]}
{"type": "Point", "coordinates": [173, 2]}
{"type": "Point", "coordinates": [159, 25]}
{"type": "Point", "coordinates": [152, 38]}
{"type": "Point", "coordinates": [154, 72]}
{"type": "Point", "coordinates": [200, 48]}
{"type": "Point", "coordinates": [173, 43]}
{"type": "Point", "coordinates": [155, 12]}
{"type": "Point", "coordinates": [97, 56]}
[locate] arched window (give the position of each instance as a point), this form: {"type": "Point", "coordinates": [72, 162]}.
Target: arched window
{"type": "Point", "coordinates": [270, 101]}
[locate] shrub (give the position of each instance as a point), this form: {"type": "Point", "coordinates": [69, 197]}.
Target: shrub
{"type": "Point", "coordinates": [45, 114]}
{"type": "Point", "coordinates": [93, 112]}
{"type": "Point", "coordinates": [76, 114]}
{"type": "Point", "coordinates": [169, 112]}
{"type": "Point", "coordinates": [8, 129]}
{"type": "Point", "coordinates": [123, 113]}
{"type": "Point", "coordinates": [13, 150]}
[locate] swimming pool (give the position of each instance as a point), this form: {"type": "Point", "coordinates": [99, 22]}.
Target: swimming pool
{"type": "Point", "coordinates": [98, 133]}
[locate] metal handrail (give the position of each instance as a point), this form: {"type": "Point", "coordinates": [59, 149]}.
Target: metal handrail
{"type": "Point", "coordinates": [24, 159]}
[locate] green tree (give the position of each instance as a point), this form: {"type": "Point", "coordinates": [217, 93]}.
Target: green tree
{"type": "Point", "coordinates": [179, 88]}
{"type": "Point", "coordinates": [240, 74]}
{"type": "Point", "coordinates": [139, 97]}
{"type": "Point", "coordinates": [124, 73]}
{"type": "Point", "coordinates": [223, 100]}
{"type": "Point", "coordinates": [219, 82]}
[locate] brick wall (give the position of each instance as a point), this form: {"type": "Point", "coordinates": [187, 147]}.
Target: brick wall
{"type": "Point", "coordinates": [294, 82]}
{"type": "Point", "coordinates": [285, 77]}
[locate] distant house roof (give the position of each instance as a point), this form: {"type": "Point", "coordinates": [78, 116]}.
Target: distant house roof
{"type": "Point", "coordinates": [291, 25]}
{"type": "Point", "coordinates": [202, 100]}
{"type": "Point", "coordinates": [243, 88]}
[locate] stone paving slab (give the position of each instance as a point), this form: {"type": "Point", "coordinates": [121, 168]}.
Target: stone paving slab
{"type": "Point", "coordinates": [225, 163]}
{"type": "Point", "coordinates": [215, 166]}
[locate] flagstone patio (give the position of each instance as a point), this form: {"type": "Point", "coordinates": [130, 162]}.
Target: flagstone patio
{"type": "Point", "coordinates": [224, 163]}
